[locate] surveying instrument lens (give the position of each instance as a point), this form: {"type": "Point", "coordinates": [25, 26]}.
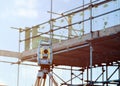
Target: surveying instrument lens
{"type": "Point", "coordinates": [45, 51]}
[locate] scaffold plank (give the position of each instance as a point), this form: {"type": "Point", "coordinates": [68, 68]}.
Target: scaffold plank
{"type": "Point", "coordinates": [7, 53]}
{"type": "Point", "coordinates": [105, 44]}
{"type": "Point", "coordinates": [76, 41]}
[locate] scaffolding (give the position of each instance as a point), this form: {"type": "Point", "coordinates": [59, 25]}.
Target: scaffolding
{"type": "Point", "coordinates": [75, 29]}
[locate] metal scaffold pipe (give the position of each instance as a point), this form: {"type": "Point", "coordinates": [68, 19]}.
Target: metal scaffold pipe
{"type": "Point", "coordinates": [91, 58]}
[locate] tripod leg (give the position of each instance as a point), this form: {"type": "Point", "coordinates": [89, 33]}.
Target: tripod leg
{"type": "Point", "coordinates": [53, 80]}
{"type": "Point", "coordinates": [40, 82]}
{"type": "Point", "coordinates": [36, 82]}
{"type": "Point", "coordinates": [44, 78]}
{"type": "Point", "coordinates": [44, 82]}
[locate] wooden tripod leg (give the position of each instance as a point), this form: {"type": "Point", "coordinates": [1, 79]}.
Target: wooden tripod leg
{"type": "Point", "coordinates": [44, 82]}
{"type": "Point", "coordinates": [38, 82]}
{"type": "Point", "coordinates": [35, 83]}
{"type": "Point", "coordinates": [44, 78]}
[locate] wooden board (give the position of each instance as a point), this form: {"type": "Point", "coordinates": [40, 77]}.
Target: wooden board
{"type": "Point", "coordinates": [106, 49]}
{"type": "Point", "coordinates": [76, 41]}
{"type": "Point", "coordinates": [10, 54]}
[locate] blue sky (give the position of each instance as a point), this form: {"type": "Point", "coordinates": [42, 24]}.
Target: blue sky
{"type": "Point", "coordinates": [25, 13]}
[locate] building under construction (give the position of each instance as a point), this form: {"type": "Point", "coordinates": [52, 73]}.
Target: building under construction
{"type": "Point", "coordinates": [79, 41]}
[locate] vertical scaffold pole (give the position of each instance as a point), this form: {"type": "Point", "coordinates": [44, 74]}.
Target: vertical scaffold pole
{"type": "Point", "coordinates": [91, 62]}
{"type": "Point", "coordinates": [51, 22]}
{"type": "Point", "coordinates": [51, 31]}
{"type": "Point", "coordinates": [91, 18]}
{"type": "Point", "coordinates": [106, 74]}
{"type": "Point", "coordinates": [83, 18]}
{"type": "Point", "coordinates": [91, 49]}
{"type": "Point", "coordinates": [119, 72]}
{"type": "Point", "coordinates": [87, 74]}
{"type": "Point", "coordinates": [18, 69]}
{"type": "Point", "coordinates": [82, 76]}
{"type": "Point", "coordinates": [71, 74]}
{"type": "Point", "coordinates": [103, 74]}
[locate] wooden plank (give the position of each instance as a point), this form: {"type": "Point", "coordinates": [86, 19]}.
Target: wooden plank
{"type": "Point", "coordinates": [10, 54]}
{"type": "Point", "coordinates": [76, 41]}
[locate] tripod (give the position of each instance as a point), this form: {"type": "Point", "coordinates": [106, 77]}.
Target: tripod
{"type": "Point", "coordinates": [41, 77]}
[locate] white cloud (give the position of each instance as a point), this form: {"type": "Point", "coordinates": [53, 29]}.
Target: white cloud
{"type": "Point", "coordinates": [21, 8]}
{"type": "Point", "coordinates": [26, 8]}
{"type": "Point", "coordinates": [28, 13]}
{"type": "Point", "coordinates": [5, 14]}
{"type": "Point", "coordinates": [66, 1]}
{"type": "Point", "coordinates": [26, 3]}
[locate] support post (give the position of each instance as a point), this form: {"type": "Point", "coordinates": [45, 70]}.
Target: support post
{"type": "Point", "coordinates": [83, 18]}
{"type": "Point", "coordinates": [87, 75]}
{"type": "Point", "coordinates": [91, 62]}
{"type": "Point", "coordinates": [91, 18]}
{"type": "Point", "coordinates": [106, 74]}
{"type": "Point", "coordinates": [91, 50]}
{"type": "Point", "coordinates": [51, 22]}
{"type": "Point", "coordinates": [103, 74]}
{"type": "Point", "coordinates": [18, 74]}
{"type": "Point", "coordinates": [71, 75]}
{"type": "Point", "coordinates": [119, 72]}
{"type": "Point", "coordinates": [82, 77]}
{"type": "Point", "coordinates": [18, 69]}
